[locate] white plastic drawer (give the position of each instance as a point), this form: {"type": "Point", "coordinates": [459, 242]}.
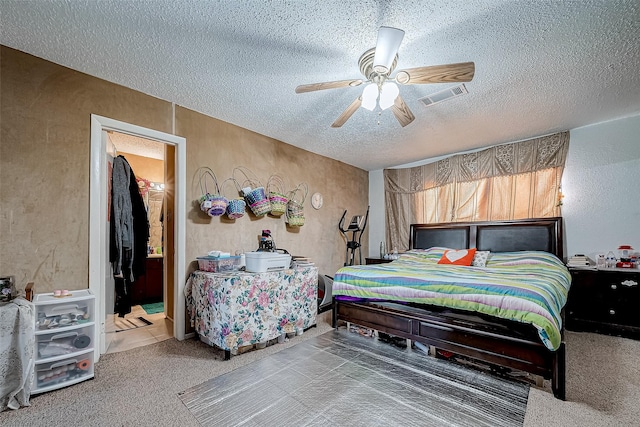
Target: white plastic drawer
{"type": "Point", "coordinates": [63, 342]}
{"type": "Point", "coordinates": [63, 314]}
{"type": "Point", "coordinates": [69, 371]}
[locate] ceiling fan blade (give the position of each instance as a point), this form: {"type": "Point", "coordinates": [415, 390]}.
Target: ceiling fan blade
{"type": "Point", "coordinates": [389, 40]}
{"type": "Point", "coordinates": [402, 112]}
{"type": "Point", "coordinates": [448, 73]}
{"type": "Point", "coordinates": [327, 85]}
{"type": "Point", "coordinates": [346, 114]}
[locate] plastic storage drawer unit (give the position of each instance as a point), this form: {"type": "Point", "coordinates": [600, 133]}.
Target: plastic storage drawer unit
{"type": "Point", "coordinates": [59, 343]}
{"type": "Point", "coordinates": [54, 313]}
{"type": "Point", "coordinates": [60, 373]}
{"type": "Point", "coordinates": [64, 338]}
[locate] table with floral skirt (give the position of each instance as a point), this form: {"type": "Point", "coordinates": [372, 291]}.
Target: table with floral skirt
{"type": "Point", "coordinates": [237, 309]}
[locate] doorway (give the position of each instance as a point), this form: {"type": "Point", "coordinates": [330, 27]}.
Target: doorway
{"type": "Point", "coordinates": [150, 319]}
{"type": "Point", "coordinates": [175, 208]}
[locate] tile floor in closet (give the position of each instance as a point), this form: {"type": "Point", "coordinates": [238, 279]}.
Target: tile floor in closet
{"type": "Point", "coordinates": [160, 330]}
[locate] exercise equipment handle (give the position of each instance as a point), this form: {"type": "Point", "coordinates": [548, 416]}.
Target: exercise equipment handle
{"type": "Point", "coordinates": [342, 222]}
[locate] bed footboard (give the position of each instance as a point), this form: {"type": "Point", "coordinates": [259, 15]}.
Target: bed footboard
{"type": "Point", "coordinates": [487, 341]}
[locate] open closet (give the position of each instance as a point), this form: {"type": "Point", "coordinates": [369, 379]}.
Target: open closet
{"type": "Point", "coordinates": [135, 305]}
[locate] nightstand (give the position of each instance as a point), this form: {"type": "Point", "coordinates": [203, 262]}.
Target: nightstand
{"type": "Point", "coordinates": [376, 260]}
{"type": "Point", "coordinates": [604, 301]}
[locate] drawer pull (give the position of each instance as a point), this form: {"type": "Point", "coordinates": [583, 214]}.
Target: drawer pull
{"type": "Point", "coordinates": [612, 312]}
{"type": "Point", "coordinates": [614, 286]}
{"type": "Point", "coordinates": [62, 363]}
{"type": "Point", "coordinates": [629, 283]}
{"type": "Point", "coordinates": [65, 335]}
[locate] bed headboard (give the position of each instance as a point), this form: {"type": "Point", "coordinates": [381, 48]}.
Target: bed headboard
{"type": "Point", "coordinates": [540, 234]}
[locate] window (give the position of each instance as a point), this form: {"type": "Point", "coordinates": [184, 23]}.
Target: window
{"type": "Point", "coordinates": [509, 181]}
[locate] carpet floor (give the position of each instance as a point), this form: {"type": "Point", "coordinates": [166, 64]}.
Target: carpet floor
{"type": "Point", "coordinates": [344, 379]}
{"type": "Point", "coordinates": [141, 387]}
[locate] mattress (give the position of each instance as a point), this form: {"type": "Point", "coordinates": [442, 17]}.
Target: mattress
{"type": "Point", "coordinates": [528, 286]}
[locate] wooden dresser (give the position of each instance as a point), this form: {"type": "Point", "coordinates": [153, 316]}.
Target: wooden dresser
{"type": "Point", "coordinates": [604, 301]}
{"type": "Point", "coordinates": [148, 288]}
{"type": "Point", "coordinates": [376, 260]}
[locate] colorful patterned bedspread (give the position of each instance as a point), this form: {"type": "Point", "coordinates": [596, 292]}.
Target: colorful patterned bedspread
{"type": "Point", "coordinates": [529, 286]}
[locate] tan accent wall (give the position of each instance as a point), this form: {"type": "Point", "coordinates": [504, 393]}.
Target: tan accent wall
{"type": "Point", "coordinates": [223, 147]}
{"type": "Point", "coordinates": [44, 164]}
{"type": "Point", "coordinates": [44, 175]}
{"type": "Point", "coordinates": [146, 167]}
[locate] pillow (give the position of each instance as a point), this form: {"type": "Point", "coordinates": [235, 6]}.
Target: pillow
{"type": "Point", "coordinates": [480, 259]}
{"type": "Point", "coordinates": [458, 257]}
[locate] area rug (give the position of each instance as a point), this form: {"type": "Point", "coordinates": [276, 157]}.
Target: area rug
{"type": "Point", "coordinates": [156, 307]}
{"type": "Point", "coordinates": [345, 379]}
{"type": "Point", "coordinates": [127, 323]}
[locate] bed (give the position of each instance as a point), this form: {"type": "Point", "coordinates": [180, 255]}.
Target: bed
{"type": "Point", "coordinates": [512, 339]}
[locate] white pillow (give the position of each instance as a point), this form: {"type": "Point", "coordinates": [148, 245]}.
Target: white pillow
{"type": "Point", "coordinates": [480, 259]}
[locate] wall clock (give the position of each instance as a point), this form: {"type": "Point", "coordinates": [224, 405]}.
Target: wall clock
{"type": "Point", "coordinates": [316, 200]}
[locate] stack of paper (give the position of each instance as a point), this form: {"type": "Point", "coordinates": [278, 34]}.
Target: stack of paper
{"type": "Point", "coordinates": [300, 262]}
{"type": "Point", "coordinates": [579, 260]}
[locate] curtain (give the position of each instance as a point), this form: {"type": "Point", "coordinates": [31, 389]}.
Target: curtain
{"type": "Point", "coordinates": [509, 181]}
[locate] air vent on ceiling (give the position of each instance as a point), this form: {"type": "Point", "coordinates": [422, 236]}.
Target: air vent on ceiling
{"type": "Point", "coordinates": [443, 95]}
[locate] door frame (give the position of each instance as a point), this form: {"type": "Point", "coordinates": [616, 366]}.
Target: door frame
{"type": "Point", "coordinates": [98, 256]}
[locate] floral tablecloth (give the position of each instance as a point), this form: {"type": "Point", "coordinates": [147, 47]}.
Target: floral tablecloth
{"type": "Point", "coordinates": [231, 310]}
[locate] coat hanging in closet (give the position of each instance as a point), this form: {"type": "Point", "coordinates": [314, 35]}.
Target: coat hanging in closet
{"type": "Point", "coordinates": [129, 233]}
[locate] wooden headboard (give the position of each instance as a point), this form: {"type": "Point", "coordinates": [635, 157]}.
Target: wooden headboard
{"type": "Point", "coordinates": [539, 234]}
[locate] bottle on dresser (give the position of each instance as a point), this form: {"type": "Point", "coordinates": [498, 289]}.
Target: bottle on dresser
{"type": "Point", "coordinates": [610, 260]}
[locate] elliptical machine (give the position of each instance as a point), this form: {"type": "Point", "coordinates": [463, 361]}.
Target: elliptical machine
{"type": "Point", "coordinates": [356, 227]}
{"type": "Point", "coordinates": [325, 283]}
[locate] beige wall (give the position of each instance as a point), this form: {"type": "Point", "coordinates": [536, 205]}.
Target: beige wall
{"type": "Point", "coordinates": [223, 147]}
{"type": "Point", "coordinates": [146, 167]}
{"type": "Point", "coordinates": [44, 174]}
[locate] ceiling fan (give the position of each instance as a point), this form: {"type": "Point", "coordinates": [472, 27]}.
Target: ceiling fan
{"type": "Point", "coordinates": [376, 65]}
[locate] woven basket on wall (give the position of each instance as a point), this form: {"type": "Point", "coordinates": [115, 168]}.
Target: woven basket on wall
{"type": "Point", "coordinates": [212, 203]}
{"type": "Point", "coordinates": [236, 206]}
{"type": "Point", "coordinates": [295, 205]}
{"type": "Point", "coordinates": [277, 198]}
{"type": "Point", "coordinates": [253, 191]}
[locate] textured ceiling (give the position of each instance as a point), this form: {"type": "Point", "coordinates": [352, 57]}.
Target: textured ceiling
{"type": "Point", "coordinates": [135, 145]}
{"type": "Point", "coordinates": [541, 66]}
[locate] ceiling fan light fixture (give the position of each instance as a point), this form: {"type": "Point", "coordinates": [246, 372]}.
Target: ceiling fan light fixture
{"type": "Point", "coordinates": [370, 96]}
{"type": "Point", "coordinates": [389, 40]}
{"type": "Point", "coordinates": [388, 95]}
{"type": "Point", "coordinates": [377, 64]}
